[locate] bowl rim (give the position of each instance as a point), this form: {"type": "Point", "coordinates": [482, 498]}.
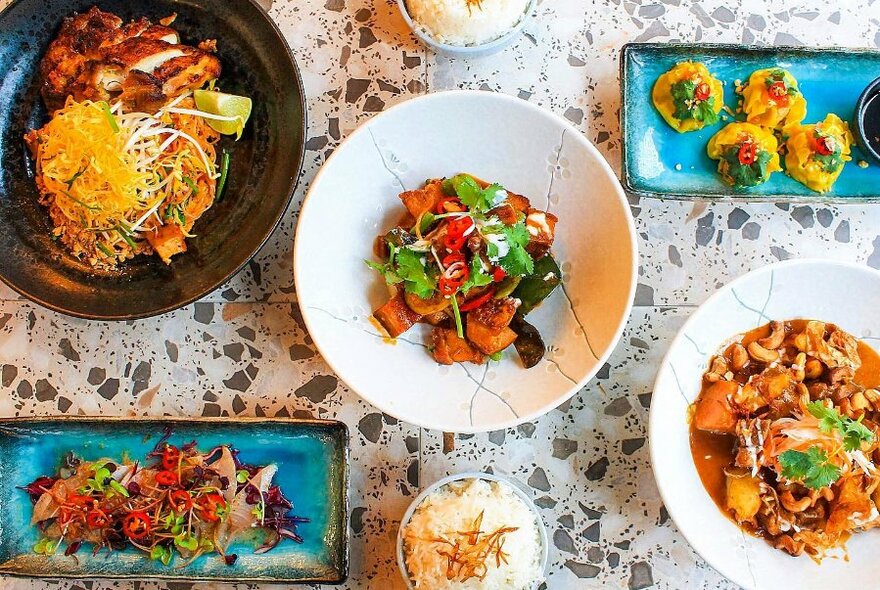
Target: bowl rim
{"type": "Point", "coordinates": [871, 92]}
{"type": "Point", "coordinates": [299, 253]}
{"type": "Point", "coordinates": [663, 374]}
{"type": "Point", "coordinates": [465, 50]}
{"type": "Point", "coordinates": [299, 160]}
{"type": "Point", "coordinates": [510, 482]}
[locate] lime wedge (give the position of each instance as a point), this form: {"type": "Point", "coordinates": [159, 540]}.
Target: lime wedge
{"type": "Point", "coordinates": [234, 109]}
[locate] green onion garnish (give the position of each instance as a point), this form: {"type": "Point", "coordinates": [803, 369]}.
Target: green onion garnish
{"type": "Point", "coordinates": [73, 178]}
{"type": "Point", "coordinates": [224, 171]}
{"type": "Point", "coordinates": [107, 251]}
{"type": "Point", "coordinates": [192, 186]}
{"type": "Point", "coordinates": [110, 118]}
{"type": "Point", "coordinates": [457, 314]}
{"type": "Point", "coordinates": [80, 203]}
{"type": "Point", "coordinates": [126, 236]}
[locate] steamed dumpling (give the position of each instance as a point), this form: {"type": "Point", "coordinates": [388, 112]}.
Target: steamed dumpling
{"type": "Point", "coordinates": [772, 99]}
{"type": "Point", "coordinates": [747, 154]}
{"type": "Point", "coordinates": [817, 153]}
{"type": "Point", "coordinates": [688, 97]}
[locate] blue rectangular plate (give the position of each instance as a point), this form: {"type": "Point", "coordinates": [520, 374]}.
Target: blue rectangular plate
{"type": "Point", "coordinates": [312, 460]}
{"type": "Point", "coordinates": [830, 79]}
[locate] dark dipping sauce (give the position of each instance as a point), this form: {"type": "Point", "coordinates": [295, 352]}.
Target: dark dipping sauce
{"type": "Point", "coordinates": [871, 122]}
{"type": "Point", "coordinates": [713, 452]}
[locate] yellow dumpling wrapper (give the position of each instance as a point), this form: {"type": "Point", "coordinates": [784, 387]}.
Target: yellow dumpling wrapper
{"type": "Point", "coordinates": [747, 154]}
{"type": "Point", "coordinates": [772, 99]}
{"type": "Point", "coordinates": [688, 97]}
{"type": "Point", "coordinates": [817, 153]}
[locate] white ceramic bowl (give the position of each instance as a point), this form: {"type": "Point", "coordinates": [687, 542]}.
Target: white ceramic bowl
{"type": "Point", "coordinates": [844, 294]}
{"type": "Point", "coordinates": [512, 484]}
{"type": "Point", "coordinates": [466, 50]}
{"type": "Point", "coordinates": [499, 138]}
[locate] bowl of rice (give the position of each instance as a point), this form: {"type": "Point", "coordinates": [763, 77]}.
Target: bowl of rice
{"type": "Point", "coordinates": [466, 28]}
{"type": "Point", "coordinates": [473, 531]}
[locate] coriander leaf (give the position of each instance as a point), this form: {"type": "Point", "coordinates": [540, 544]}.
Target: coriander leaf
{"type": "Point", "coordinates": [812, 468]}
{"type": "Point", "coordinates": [387, 270]}
{"type": "Point", "coordinates": [705, 111]}
{"type": "Point", "coordinates": [682, 98]}
{"type": "Point", "coordinates": [475, 198]}
{"type": "Point", "coordinates": [412, 269]}
{"type": "Point", "coordinates": [853, 431]}
{"type": "Point", "coordinates": [831, 163]}
{"type": "Point", "coordinates": [478, 276]}
{"type": "Point", "coordinates": [795, 465]}
{"type": "Point", "coordinates": [517, 261]}
{"type": "Point", "coordinates": [467, 189]}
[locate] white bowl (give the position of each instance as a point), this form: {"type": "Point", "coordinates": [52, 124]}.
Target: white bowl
{"type": "Point", "coordinates": [466, 50]}
{"type": "Point", "coordinates": [512, 484]}
{"type": "Point", "coordinates": [840, 293]}
{"type": "Point", "coordinates": [499, 138]}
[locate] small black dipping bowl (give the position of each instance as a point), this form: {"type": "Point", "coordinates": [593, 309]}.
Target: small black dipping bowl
{"type": "Point", "coordinates": [867, 121]}
{"type": "Point", "coordinates": [265, 162]}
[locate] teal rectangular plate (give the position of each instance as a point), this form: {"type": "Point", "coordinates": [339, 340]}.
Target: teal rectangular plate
{"type": "Point", "coordinates": [830, 79]}
{"type": "Point", "coordinates": [312, 460]}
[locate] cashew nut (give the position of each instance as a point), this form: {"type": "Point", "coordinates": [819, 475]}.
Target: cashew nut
{"type": "Point", "coordinates": [792, 505]}
{"type": "Point", "coordinates": [761, 354]}
{"type": "Point", "coordinates": [777, 335]}
{"type": "Point", "coordinates": [739, 358]}
{"type": "Point", "coordinates": [813, 368]}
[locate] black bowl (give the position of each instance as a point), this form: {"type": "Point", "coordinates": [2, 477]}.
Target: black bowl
{"type": "Point", "coordinates": [867, 121]}
{"type": "Point", "coordinates": [265, 162]}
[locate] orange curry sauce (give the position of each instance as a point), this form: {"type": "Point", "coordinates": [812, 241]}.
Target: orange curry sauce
{"type": "Point", "coordinates": [713, 452]}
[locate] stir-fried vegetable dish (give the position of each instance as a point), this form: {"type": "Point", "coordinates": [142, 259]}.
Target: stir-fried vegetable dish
{"type": "Point", "coordinates": [129, 159]}
{"type": "Point", "coordinates": [471, 259]}
{"type": "Point", "coordinates": [784, 435]}
{"type": "Point", "coordinates": [178, 502]}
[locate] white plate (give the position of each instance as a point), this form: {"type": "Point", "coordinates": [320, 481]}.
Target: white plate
{"type": "Point", "coordinates": [840, 293]}
{"type": "Point", "coordinates": [499, 138]}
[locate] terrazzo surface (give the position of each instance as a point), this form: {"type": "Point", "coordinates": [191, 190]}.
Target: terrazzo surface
{"type": "Point", "coordinates": [243, 350]}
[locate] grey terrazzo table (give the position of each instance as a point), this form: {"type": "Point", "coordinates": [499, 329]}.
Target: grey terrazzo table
{"type": "Point", "coordinates": [244, 350]}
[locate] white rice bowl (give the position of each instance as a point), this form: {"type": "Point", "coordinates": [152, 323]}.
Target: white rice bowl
{"type": "Point", "coordinates": [458, 22]}
{"type": "Point", "coordinates": [453, 508]}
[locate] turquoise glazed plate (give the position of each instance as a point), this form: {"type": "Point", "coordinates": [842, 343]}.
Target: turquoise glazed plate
{"type": "Point", "coordinates": [658, 161]}
{"type": "Point", "coordinates": [312, 460]}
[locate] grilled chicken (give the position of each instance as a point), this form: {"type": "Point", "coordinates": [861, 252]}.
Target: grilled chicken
{"type": "Point", "coordinates": [96, 56]}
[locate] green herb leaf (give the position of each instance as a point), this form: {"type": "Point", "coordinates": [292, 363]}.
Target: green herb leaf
{"type": "Point", "coordinates": [119, 488]}
{"type": "Point", "coordinates": [812, 468]}
{"type": "Point", "coordinates": [474, 197]}
{"type": "Point", "coordinates": [478, 276]}
{"type": "Point", "coordinates": [746, 175]}
{"type": "Point", "coordinates": [682, 97]}
{"type": "Point", "coordinates": [517, 261]}
{"type": "Point", "coordinates": [161, 553]}
{"type": "Point", "coordinates": [412, 269]}
{"type": "Point", "coordinates": [853, 431]}
{"type": "Point", "coordinates": [186, 541]}
{"type": "Point", "coordinates": [705, 111]}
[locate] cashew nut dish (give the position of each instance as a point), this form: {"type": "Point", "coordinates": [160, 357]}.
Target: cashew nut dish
{"type": "Point", "coordinates": [784, 435]}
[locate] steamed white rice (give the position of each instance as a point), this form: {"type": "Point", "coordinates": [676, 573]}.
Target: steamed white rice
{"type": "Point", "coordinates": [455, 22]}
{"type": "Point", "coordinates": [454, 508]}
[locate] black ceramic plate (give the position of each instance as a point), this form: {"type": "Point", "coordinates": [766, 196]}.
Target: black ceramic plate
{"type": "Point", "coordinates": [265, 164]}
